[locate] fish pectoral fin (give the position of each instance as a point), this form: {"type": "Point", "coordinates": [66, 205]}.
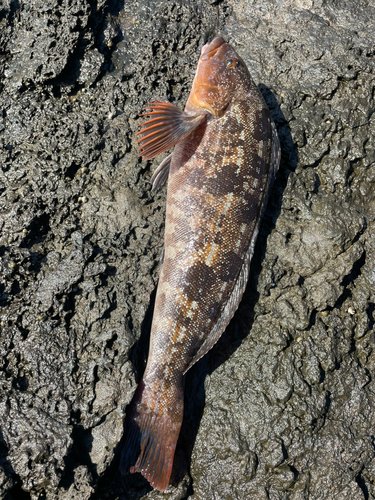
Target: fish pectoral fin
{"type": "Point", "coordinates": [161, 173]}
{"type": "Point", "coordinates": [167, 127]}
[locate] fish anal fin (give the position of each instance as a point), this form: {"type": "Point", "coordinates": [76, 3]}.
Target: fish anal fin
{"type": "Point", "coordinates": [276, 153]}
{"type": "Point", "coordinates": [167, 127]}
{"type": "Point", "coordinates": [231, 305]}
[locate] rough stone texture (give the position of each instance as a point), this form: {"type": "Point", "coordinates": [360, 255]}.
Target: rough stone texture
{"type": "Point", "coordinates": [283, 407]}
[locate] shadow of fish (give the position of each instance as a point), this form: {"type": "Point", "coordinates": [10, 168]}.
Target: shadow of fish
{"type": "Point", "coordinates": [226, 156]}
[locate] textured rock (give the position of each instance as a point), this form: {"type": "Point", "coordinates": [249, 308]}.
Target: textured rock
{"type": "Point", "coordinates": [283, 406]}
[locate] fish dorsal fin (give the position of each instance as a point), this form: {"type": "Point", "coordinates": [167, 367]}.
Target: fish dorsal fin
{"type": "Point", "coordinates": [167, 127]}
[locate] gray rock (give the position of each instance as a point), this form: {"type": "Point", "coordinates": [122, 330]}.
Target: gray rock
{"type": "Point", "coordinates": [283, 406]}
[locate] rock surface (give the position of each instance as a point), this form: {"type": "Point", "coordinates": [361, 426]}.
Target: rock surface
{"type": "Point", "coordinates": [283, 407]}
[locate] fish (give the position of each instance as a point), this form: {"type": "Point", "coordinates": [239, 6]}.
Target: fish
{"type": "Point", "coordinates": [225, 158]}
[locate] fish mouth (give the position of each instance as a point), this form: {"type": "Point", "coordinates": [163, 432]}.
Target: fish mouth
{"type": "Point", "coordinates": [210, 49]}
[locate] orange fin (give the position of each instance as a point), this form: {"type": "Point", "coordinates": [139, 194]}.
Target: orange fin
{"type": "Point", "coordinates": [150, 441]}
{"type": "Point", "coordinates": [167, 127]}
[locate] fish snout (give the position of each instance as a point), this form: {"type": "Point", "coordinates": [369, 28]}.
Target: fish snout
{"type": "Point", "coordinates": [210, 49]}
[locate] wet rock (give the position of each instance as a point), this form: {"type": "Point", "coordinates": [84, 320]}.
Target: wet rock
{"type": "Point", "coordinates": [46, 36]}
{"type": "Point", "coordinates": [283, 406]}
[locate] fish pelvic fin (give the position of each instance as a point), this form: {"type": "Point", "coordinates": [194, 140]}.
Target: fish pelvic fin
{"type": "Point", "coordinates": [150, 439]}
{"type": "Point", "coordinates": [161, 173]}
{"type": "Point", "coordinates": [167, 127]}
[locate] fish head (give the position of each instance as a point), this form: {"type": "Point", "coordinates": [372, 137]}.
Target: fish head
{"type": "Point", "coordinates": [220, 76]}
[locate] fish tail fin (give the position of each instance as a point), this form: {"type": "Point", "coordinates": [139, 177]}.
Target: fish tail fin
{"type": "Point", "coordinates": [150, 438]}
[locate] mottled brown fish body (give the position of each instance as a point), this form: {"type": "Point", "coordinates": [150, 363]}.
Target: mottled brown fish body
{"type": "Point", "coordinates": [219, 178]}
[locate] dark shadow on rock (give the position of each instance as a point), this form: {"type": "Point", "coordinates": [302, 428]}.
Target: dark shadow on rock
{"type": "Point", "coordinates": [10, 11]}
{"type": "Point", "coordinates": [15, 492]}
{"type": "Point", "coordinates": [111, 28]}
{"type": "Point", "coordinates": [4, 296]}
{"type": "Point", "coordinates": [79, 453]}
{"type": "Point", "coordinates": [98, 23]}
{"type": "Point", "coordinates": [113, 486]}
{"type": "Point", "coordinates": [139, 352]}
{"type": "Point", "coordinates": [38, 229]}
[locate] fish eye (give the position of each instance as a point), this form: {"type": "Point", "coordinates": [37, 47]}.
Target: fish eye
{"type": "Point", "coordinates": [230, 63]}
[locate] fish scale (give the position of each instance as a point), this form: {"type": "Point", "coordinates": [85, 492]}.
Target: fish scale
{"type": "Point", "coordinates": [225, 158]}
